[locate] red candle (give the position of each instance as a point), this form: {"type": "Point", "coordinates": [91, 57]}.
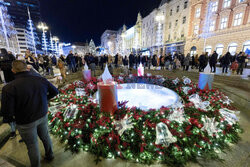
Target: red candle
{"type": "Point", "coordinates": [107, 97]}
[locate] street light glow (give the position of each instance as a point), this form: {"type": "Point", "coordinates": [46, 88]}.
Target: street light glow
{"type": "Point", "coordinates": [43, 26]}
{"type": "Point", "coordinates": [55, 38]}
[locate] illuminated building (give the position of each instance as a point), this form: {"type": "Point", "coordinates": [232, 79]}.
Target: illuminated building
{"type": "Point", "coordinates": [18, 11]}
{"type": "Point", "coordinates": [8, 36]}
{"type": "Point", "coordinates": [132, 37]}
{"type": "Point", "coordinates": [176, 25]}
{"type": "Point", "coordinates": [218, 25]}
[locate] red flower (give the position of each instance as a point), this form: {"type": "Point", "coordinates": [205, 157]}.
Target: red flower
{"type": "Point", "coordinates": [200, 125]}
{"type": "Point", "coordinates": [194, 121]}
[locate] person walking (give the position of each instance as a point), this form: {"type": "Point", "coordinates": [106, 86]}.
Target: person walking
{"type": "Point", "coordinates": [61, 67]}
{"type": "Point", "coordinates": [186, 62]}
{"type": "Point", "coordinates": [25, 100]}
{"type": "Point", "coordinates": [241, 60]}
{"type": "Point", "coordinates": [5, 65]}
{"type": "Point", "coordinates": [213, 61]}
{"type": "Point", "coordinates": [225, 61]}
{"type": "Point", "coordinates": [202, 62]}
{"type": "Point", "coordinates": [69, 60]}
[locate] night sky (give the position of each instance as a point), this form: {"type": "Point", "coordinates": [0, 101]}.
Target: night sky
{"type": "Point", "coordinates": [81, 20]}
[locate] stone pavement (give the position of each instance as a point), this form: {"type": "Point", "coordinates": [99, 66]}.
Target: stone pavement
{"type": "Point", "coordinates": [239, 156]}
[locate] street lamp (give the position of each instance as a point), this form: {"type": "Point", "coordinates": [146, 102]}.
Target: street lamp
{"type": "Point", "coordinates": [44, 28]}
{"type": "Point", "coordinates": [56, 39]}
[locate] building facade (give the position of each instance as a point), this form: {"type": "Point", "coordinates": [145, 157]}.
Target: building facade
{"type": "Point", "coordinates": [24, 40]}
{"type": "Point", "coordinates": [132, 37]}
{"type": "Point", "coordinates": [176, 25]}
{"type": "Point", "coordinates": [218, 25]}
{"type": "Point", "coordinates": [8, 35]}
{"type": "Point", "coordinates": [19, 14]}
{"type": "Point", "coordinates": [24, 14]}
{"type": "Point", "coordinates": [149, 31]}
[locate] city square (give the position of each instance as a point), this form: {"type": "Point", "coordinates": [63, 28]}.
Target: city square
{"type": "Point", "coordinates": [165, 84]}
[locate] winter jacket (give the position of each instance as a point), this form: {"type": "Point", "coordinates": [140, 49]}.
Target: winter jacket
{"type": "Point", "coordinates": [25, 99]}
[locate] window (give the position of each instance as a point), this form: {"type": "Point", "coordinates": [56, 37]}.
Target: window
{"type": "Point", "coordinates": [214, 6]}
{"type": "Point", "coordinates": [177, 9]}
{"type": "Point", "coordinates": [212, 26]}
{"type": "Point", "coordinates": [227, 3]}
{"type": "Point", "coordinates": [169, 25]}
{"type": "Point", "coordinates": [237, 19]}
{"type": "Point", "coordinates": [232, 48]}
{"type": "Point", "coordinates": [169, 37]}
{"type": "Point", "coordinates": [176, 22]}
{"type": "Point", "coordinates": [193, 51]}
{"type": "Point", "coordinates": [208, 49]}
{"type": "Point", "coordinates": [196, 29]}
{"type": "Point", "coordinates": [198, 13]}
{"type": "Point", "coordinates": [171, 11]}
{"type": "Point", "coordinates": [219, 49]}
{"type": "Point", "coordinates": [223, 23]}
{"type": "Point", "coordinates": [240, 1]}
{"type": "Point", "coordinates": [185, 4]}
{"type": "Point", "coordinates": [246, 46]}
{"type": "Point", "coordinates": [184, 20]}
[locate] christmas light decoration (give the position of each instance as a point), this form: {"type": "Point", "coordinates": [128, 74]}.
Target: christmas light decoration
{"type": "Point", "coordinates": [81, 126]}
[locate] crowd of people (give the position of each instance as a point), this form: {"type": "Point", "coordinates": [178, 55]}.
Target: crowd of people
{"type": "Point", "coordinates": [73, 62]}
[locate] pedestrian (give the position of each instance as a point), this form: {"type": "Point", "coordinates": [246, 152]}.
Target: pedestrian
{"type": "Point", "coordinates": [61, 67]}
{"type": "Point", "coordinates": [31, 59]}
{"type": "Point", "coordinates": [241, 61]}
{"type": "Point", "coordinates": [202, 62]}
{"type": "Point", "coordinates": [186, 62]}
{"type": "Point", "coordinates": [25, 100]}
{"type": "Point", "coordinates": [131, 60]}
{"type": "Point", "coordinates": [119, 60]}
{"type": "Point", "coordinates": [71, 62]}
{"type": "Point", "coordinates": [213, 61]}
{"type": "Point", "coordinates": [92, 65]}
{"type": "Point", "coordinates": [162, 61]}
{"type": "Point", "coordinates": [5, 65]}
{"type": "Point", "coordinates": [41, 62]}
{"type": "Point", "coordinates": [225, 61]}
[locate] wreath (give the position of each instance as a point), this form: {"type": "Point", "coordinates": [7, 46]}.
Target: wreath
{"type": "Point", "coordinates": [202, 125]}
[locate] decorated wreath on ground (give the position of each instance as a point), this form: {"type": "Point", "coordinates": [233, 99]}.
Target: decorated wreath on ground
{"type": "Point", "coordinates": [202, 125]}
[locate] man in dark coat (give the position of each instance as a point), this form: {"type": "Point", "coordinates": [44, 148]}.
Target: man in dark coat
{"type": "Point", "coordinates": [131, 60]}
{"type": "Point", "coordinates": [25, 100]}
{"type": "Point", "coordinates": [5, 65]}
{"type": "Point", "coordinates": [202, 61]}
{"type": "Point", "coordinates": [213, 61]}
{"type": "Point", "coordinates": [241, 59]}
{"type": "Point", "coordinates": [70, 59]}
{"type": "Point", "coordinates": [225, 61]}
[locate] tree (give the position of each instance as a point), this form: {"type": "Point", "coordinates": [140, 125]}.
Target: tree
{"type": "Point", "coordinates": [92, 48]}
